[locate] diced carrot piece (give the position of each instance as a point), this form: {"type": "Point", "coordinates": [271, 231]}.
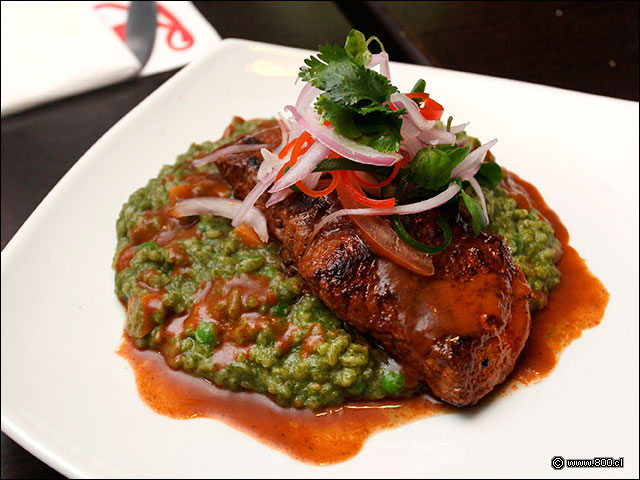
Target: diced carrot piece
{"type": "Point", "coordinates": [248, 235]}
{"type": "Point", "coordinates": [179, 192]}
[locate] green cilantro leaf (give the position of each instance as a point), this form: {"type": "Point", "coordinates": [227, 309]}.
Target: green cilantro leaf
{"type": "Point", "coordinates": [456, 154]}
{"type": "Point", "coordinates": [344, 81]}
{"type": "Point", "coordinates": [354, 99]}
{"type": "Point", "coordinates": [379, 129]}
{"type": "Point", "coordinates": [489, 175]}
{"type": "Point", "coordinates": [475, 210]}
{"type": "Point", "coordinates": [342, 119]}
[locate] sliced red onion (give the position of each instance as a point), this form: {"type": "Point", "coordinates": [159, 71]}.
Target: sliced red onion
{"type": "Point", "coordinates": [458, 128]}
{"type": "Point", "coordinates": [303, 167]}
{"type": "Point", "coordinates": [472, 159]}
{"type": "Point", "coordinates": [417, 207]}
{"type": "Point", "coordinates": [381, 59]}
{"type": "Point", "coordinates": [341, 145]}
{"type": "Point", "coordinates": [284, 134]}
{"type": "Point", "coordinates": [376, 58]}
{"type": "Point", "coordinates": [471, 172]}
{"type": "Point", "coordinates": [296, 130]}
{"type": "Point", "coordinates": [278, 197]}
{"type": "Point", "coordinates": [435, 136]}
{"type": "Point", "coordinates": [269, 162]}
{"type": "Point", "coordinates": [409, 129]}
{"type": "Point", "coordinates": [384, 65]}
{"type": "Point", "coordinates": [223, 207]}
{"type": "Point", "coordinates": [307, 94]}
{"type": "Point", "coordinates": [310, 181]}
{"type": "Point", "coordinates": [476, 188]}
{"type": "Point", "coordinates": [410, 133]}
{"type": "Point", "coordinates": [253, 196]}
{"type": "Point", "coordinates": [212, 157]}
{"type": "Point", "coordinates": [413, 112]}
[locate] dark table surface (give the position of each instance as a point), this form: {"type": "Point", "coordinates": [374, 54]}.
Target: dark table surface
{"type": "Point", "coordinates": [586, 46]}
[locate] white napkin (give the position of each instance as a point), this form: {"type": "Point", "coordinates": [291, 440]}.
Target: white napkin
{"type": "Point", "coordinates": [182, 33]}
{"type": "Point", "coordinates": [51, 50]}
{"type": "Point", "coordinates": [54, 49]}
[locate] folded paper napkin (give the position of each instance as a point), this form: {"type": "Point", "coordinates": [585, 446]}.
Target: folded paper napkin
{"type": "Point", "coordinates": [51, 50]}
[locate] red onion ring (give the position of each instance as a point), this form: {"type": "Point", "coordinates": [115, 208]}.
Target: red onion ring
{"type": "Point", "coordinates": [458, 128]}
{"type": "Point", "coordinates": [213, 156]}
{"type": "Point", "coordinates": [413, 112]}
{"type": "Point", "coordinates": [472, 160]}
{"type": "Point", "coordinates": [278, 197]}
{"type": "Point", "coordinates": [223, 207]}
{"type": "Point", "coordinates": [253, 196]}
{"type": "Point", "coordinates": [303, 167]}
{"type": "Point", "coordinates": [269, 162]}
{"type": "Point", "coordinates": [307, 94]}
{"type": "Point", "coordinates": [417, 207]}
{"type": "Point", "coordinates": [476, 188]}
{"type": "Point", "coordinates": [341, 145]}
{"type": "Point", "coordinates": [435, 136]}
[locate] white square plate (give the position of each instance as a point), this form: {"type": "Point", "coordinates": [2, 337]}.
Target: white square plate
{"type": "Point", "coordinates": [69, 399]}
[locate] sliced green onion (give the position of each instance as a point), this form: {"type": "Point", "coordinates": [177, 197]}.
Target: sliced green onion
{"type": "Point", "coordinates": [419, 86]}
{"type": "Point", "coordinates": [407, 238]}
{"type": "Point", "coordinates": [330, 164]}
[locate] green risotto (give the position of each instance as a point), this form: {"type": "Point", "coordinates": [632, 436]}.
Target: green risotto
{"type": "Point", "coordinates": [231, 312]}
{"type": "Point", "coordinates": [221, 306]}
{"type": "Point", "coordinates": [530, 238]}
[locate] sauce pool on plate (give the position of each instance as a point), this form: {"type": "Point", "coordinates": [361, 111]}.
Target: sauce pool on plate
{"type": "Point", "coordinates": [334, 435]}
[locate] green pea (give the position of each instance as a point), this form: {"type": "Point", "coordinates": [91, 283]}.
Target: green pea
{"type": "Point", "coordinates": [280, 309]}
{"type": "Point", "coordinates": [393, 383]}
{"type": "Point", "coordinates": [205, 334]}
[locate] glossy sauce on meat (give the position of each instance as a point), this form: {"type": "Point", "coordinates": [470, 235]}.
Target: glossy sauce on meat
{"type": "Point", "coordinates": [574, 306]}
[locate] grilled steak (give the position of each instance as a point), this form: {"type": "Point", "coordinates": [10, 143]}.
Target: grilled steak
{"type": "Point", "coordinates": [460, 330]}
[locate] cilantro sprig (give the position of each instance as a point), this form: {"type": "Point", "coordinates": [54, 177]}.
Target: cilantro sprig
{"type": "Point", "coordinates": [354, 99]}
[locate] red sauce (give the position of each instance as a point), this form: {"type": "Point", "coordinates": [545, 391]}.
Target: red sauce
{"type": "Point", "coordinates": [321, 438]}
{"type": "Point", "coordinates": [314, 337]}
{"type": "Point", "coordinates": [335, 435]}
{"type": "Point", "coordinates": [208, 307]}
{"type": "Point", "coordinates": [287, 339]}
{"type": "Point", "coordinates": [577, 304]}
{"type": "Point", "coordinates": [160, 227]}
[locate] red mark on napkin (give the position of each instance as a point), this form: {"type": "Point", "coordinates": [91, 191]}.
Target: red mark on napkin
{"type": "Point", "coordinates": [165, 19]}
